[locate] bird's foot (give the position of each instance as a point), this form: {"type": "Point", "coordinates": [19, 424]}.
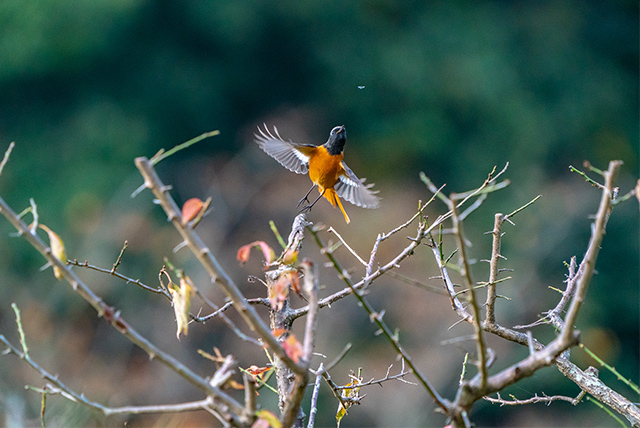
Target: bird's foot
{"type": "Point", "coordinates": [305, 209]}
{"type": "Point", "coordinates": [305, 199]}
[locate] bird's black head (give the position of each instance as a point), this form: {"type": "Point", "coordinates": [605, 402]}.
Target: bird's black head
{"type": "Point", "coordinates": [337, 138]}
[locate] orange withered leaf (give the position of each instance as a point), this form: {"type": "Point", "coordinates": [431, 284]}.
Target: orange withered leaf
{"type": "Point", "coordinates": [279, 332]}
{"type": "Point", "coordinates": [256, 371]}
{"type": "Point", "coordinates": [267, 252]}
{"type": "Point", "coordinates": [279, 291]}
{"type": "Point", "coordinates": [190, 209]}
{"type": "Point", "coordinates": [294, 281]}
{"type": "Point", "coordinates": [293, 348]}
{"type": "Point", "coordinates": [243, 253]}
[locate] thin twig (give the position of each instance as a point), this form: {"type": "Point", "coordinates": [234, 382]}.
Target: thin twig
{"type": "Point", "coordinates": [367, 280]}
{"type": "Point", "coordinates": [119, 259]}
{"type": "Point", "coordinates": [314, 397]}
{"type": "Point", "coordinates": [164, 155]}
{"type": "Point", "coordinates": [125, 278]}
{"type": "Point", "coordinates": [465, 272]}
{"type": "Point", "coordinates": [535, 399]}
{"type": "Point", "coordinates": [386, 378]}
{"type": "Point", "coordinates": [587, 266]}
{"type": "Point", "coordinates": [332, 230]}
{"type": "Point", "coordinates": [225, 402]}
{"type": "Point", "coordinates": [376, 318]}
{"type": "Point", "coordinates": [339, 358]}
{"type": "Point", "coordinates": [212, 265]}
{"type": "Point", "coordinates": [587, 178]}
{"type": "Point", "coordinates": [56, 387]}
{"type": "Point", "coordinates": [7, 153]}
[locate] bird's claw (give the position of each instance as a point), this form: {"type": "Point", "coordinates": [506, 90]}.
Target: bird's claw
{"type": "Point", "coordinates": [305, 209]}
{"type": "Point", "coordinates": [305, 199]}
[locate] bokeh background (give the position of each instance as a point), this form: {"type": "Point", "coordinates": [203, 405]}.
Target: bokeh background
{"type": "Point", "coordinates": [448, 88]}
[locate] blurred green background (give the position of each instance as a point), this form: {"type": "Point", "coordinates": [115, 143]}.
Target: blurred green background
{"type": "Point", "coordinates": [449, 88]}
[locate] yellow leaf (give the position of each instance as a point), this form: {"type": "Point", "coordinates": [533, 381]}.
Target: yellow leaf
{"type": "Point", "coordinates": [57, 249]}
{"type": "Point", "coordinates": [340, 414]}
{"type": "Point", "coordinates": [290, 257]}
{"type": "Point", "coordinates": [268, 417]}
{"type": "Point", "coordinates": [348, 393]}
{"type": "Point", "coordinates": [182, 303]}
{"type": "Point", "coordinates": [234, 384]}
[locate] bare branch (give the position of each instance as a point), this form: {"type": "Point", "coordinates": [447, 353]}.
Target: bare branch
{"type": "Point", "coordinates": [7, 153]}
{"type": "Point", "coordinates": [225, 402]}
{"type": "Point", "coordinates": [448, 284]}
{"type": "Point", "coordinates": [552, 353]}
{"type": "Point", "coordinates": [376, 318]}
{"type": "Point", "coordinates": [314, 397]}
{"type": "Point", "coordinates": [368, 279]}
{"type": "Point", "coordinates": [211, 264]}
{"type": "Point", "coordinates": [535, 399]}
{"type": "Point", "coordinates": [380, 381]}
{"type": "Point", "coordinates": [163, 291]}
{"type": "Point", "coordinates": [310, 288]}
{"type": "Point", "coordinates": [332, 230]}
{"type": "Point", "coordinates": [112, 272]}
{"type": "Point", "coordinates": [250, 395]}
{"type": "Point", "coordinates": [465, 271]}
{"type": "Point", "coordinates": [334, 389]}
{"type": "Point", "coordinates": [55, 386]}
{"type": "Point", "coordinates": [493, 268]}
{"type": "Point", "coordinates": [587, 178]}
{"type": "Point", "coordinates": [587, 266]}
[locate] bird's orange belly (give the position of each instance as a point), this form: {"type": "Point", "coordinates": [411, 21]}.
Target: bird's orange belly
{"type": "Point", "coordinates": [324, 169]}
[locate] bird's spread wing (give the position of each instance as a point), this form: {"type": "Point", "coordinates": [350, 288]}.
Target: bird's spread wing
{"type": "Point", "coordinates": [288, 153]}
{"type": "Point", "coordinates": [352, 189]}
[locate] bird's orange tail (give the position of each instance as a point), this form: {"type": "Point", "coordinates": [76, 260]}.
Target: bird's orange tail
{"type": "Point", "coordinates": [333, 198]}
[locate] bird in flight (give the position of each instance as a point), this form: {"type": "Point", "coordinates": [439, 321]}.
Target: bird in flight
{"type": "Point", "coordinates": [325, 166]}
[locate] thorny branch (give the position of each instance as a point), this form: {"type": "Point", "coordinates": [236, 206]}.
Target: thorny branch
{"type": "Point", "coordinates": [292, 408]}
{"type": "Point", "coordinates": [218, 311]}
{"type": "Point", "coordinates": [376, 317]}
{"type": "Point", "coordinates": [226, 404]}
{"type": "Point", "coordinates": [211, 264]}
{"type": "Point", "coordinates": [55, 386]}
{"type": "Point", "coordinates": [231, 412]}
{"type": "Point", "coordinates": [368, 278]}
{"type": "Point", "coordinates": [387, 377]}
{"type": "Point", "coordinates": [577, 284]}
{"type": "Point", "coordinates": [535, 399]}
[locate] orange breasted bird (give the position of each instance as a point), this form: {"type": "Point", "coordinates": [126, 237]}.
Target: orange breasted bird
{"type": "Point", "coordinates": [325, 166]}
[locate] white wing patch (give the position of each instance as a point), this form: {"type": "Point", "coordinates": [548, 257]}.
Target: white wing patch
{"type": "Point", "coordinates": [284, 152]}
{"type": "Point", "coordinates": [352, 189]}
